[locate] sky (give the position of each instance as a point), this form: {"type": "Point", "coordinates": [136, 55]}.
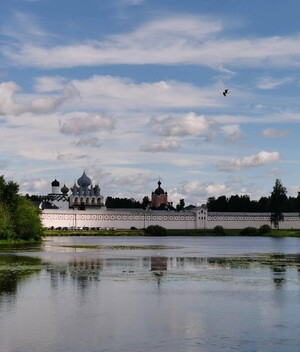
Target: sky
{"type": "Point", "coordinates": [131, 92]}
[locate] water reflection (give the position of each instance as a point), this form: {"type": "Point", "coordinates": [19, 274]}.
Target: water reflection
{"type": "Point", "coordinates": [159, 263]}
{"type": "Point", "coordinates": [148, 301]}
{"type": "Point", "coordinates": [14, 269]}
{"type": "Point", "coordinates": [85, 270]}
{"type": "Point", "coordinates": [279, 275]}
{"type": "Point", "coordinates": [81, 271]}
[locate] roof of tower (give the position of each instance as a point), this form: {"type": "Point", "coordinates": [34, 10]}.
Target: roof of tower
{"type": "Point", "coordinates": [64, 189]}
{"type": "Point", "coordinates": [159, 190]}
{"type": "Point", "coordinates": [55, 183]}
{"type": "Point", "coordinates": [84, 180]}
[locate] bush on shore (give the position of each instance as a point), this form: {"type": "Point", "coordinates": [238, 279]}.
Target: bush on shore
{"type": "Point", "coordinates": [156, 230]}
{"type": "Point", "coordinates": [265, 229]}
{"type": "Point", "coordinates": [249, 231]}
{"type": "Point", "coordinates": [219, 230]}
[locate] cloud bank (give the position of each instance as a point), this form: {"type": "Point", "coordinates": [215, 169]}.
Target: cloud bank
{"type": "Point", "coordinates": [174, 40]}
{"type": "Point", "coordinates": [262, 158]}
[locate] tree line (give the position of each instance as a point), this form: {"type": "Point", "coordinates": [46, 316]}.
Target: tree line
{"type": "Point", "coordinates": [243, 203]}
{"type": "Point", "coordinates": [276, 204]}
{"type": "Point", "coordinates": [19, 218]}
{"type": "Point", "coordinates": [130, 203]}
{"type": "Point", "coordinates": [127, 203]}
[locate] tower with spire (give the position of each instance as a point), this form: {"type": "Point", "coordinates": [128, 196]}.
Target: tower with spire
{"type": "Point", "coordinates": [57, 199]}
{"type": "Point", "coordinates": [159, 198]}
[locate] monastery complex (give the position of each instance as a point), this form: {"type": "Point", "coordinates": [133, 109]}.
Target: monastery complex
{"type": "Point", "coordinates": [84, 207]}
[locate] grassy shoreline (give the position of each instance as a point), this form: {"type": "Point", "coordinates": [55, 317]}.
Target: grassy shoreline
{"type": "Point", "coordinates": [198, 232]}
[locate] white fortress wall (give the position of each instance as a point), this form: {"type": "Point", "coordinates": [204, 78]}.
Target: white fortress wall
{"type": "Point", "coordinates": [242, 220]}
{"type": "Point", "coordinates": [123, 219]}
{"type": "Point", "coordinates": [199, 218]}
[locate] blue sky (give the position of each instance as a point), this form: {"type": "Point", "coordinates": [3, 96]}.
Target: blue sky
{"type": "Point", "coordinates": [131, 91]}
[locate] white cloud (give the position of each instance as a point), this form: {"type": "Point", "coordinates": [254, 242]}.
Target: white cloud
{"type": "Point", "coordinates": [34, 185]}
{"type": "Point", "coordinates": [174, 40]}
{"type": "Point", "coordinates": [186, 125]}
{"type": "Point", "coordinates": [197, 192]}
{"type": "Point", "coordinates": [22, 27]}
{"type": "Point", "coordinates": [217, 188]}
{"type": "Point", "coordinates": [262, 158]}
{"type": "Point", "coordinates": [166, 41]}
{"type": "Point", "coordinates": [273, 133]}
{"type": "Point", "coordinates": [123, 93]}
{"type": "Point", "coordinates": [232, 133]}
{"type": "Point", "coordinates": [207, 189]}
{"type": "Point", "coordinates": [272, 83]}
{"type": "Point", "coordinates": [49, 84]}
{"type": "Point", "coordinates": [135, 185]}
{"type": "Point", "coordinates": [87, 123]}
{"type": "Point", "coordinates": [163, 146]}
{"type": "Point", "coordinates": [11, 104]}
{"type": "Point", "coordinates": [190, 187]}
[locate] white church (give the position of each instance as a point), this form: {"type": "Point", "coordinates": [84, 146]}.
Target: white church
{"type": "Point", "coordinates": [83, 206]}
{"type": "Point", "coordinates": [83, 194]}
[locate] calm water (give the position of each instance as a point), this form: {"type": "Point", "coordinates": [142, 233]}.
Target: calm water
{"type": "Point", "coordinates": [59, 298]}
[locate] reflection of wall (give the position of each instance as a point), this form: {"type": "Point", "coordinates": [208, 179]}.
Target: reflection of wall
{"type": "Point", "coordinates": [159, 263]}
{"type": "Point", "coordinates": [83, 271]}
{"type": "Point", "coordinates": [279, 275]}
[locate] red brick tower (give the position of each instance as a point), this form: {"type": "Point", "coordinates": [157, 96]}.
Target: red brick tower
{"type": "Point", "coordinates": [159, 198]}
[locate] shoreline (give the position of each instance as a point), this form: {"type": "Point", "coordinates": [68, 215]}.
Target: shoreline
{"type": "Point", "coordinates": [140, 233]}
{"type": "Point", "coordinates": [183, 233]}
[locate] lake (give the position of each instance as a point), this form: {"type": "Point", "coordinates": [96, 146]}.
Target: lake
{"type": "Point", "coordinates": [98, 294]}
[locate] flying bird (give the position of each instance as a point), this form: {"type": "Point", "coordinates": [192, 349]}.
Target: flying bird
{"type": "Point", "coordinates": [226, 91]}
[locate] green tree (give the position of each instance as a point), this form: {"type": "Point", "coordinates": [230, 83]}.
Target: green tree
{"type": "Point", "coordinates": [146, 202]}
{"type": "Point", "coordinates": [6, 227]}
{"type": "Point", "coordinates": [219, 204]}
{"type": "Point", "coordinates": [264, 204]}
{"type": "Point", "coordinates": [8, 192]}
{"type": "Point", "coordinates": [27, 222]}
{"type": "Point", "coordinates": [122, 203]}
{"type": "Point", "coordinates": [180, 205]}
{"type": "Point", "coordinates": [210, 203]}
{"type": "Point", "coordinates": [298, 203]}
{"type": "Point", "coordinates": [19, 218]}
{"type": "Point", "coordinates": [278, 203]}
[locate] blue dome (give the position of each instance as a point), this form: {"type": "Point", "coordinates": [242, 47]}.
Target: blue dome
{"type": "Point", "coordinates": [84, 180]}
